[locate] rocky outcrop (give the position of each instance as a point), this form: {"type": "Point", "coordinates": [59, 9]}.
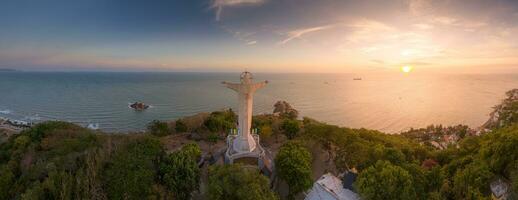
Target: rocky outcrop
{"type": "Point", "coordinates": [285, 109]}
{"type": "Point", "coordinates": [139, 106]}
{"type": "Point", "coordinates": [504, 114]}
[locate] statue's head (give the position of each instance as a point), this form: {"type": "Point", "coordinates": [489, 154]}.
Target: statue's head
{"type": "Point", "coordinates": [246, 77]}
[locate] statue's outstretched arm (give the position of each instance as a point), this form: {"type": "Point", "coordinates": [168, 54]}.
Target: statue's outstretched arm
{"type": "Point", "coordinates": [259, 85]}
{"type": "Point", "coordinates": [233, 86]}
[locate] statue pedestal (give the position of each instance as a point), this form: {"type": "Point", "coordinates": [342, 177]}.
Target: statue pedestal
{"type": "Point", "coordinates": [247, 157]}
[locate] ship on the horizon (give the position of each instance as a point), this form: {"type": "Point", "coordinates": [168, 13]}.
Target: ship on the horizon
{"type": "Point", "coordinates": [357, 79]}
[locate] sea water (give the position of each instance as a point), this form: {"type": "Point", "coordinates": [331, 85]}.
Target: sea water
{"type": "Point", "coordinates": [386, 102]}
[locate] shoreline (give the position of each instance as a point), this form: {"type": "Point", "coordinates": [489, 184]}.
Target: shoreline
{"type": "Point", "coordinates": [13, 125]}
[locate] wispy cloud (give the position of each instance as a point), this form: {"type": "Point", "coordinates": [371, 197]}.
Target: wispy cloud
{"type": "Point", "coordinates": [218, 5]}
{"type": "Point", "coordinates": [420, 7]}
{"type": "Point", "coordinates": [251, 42]}
{"type": "Point", "coordinates": [423, 26]}
{"type": "Point", "coordinates": [300, 32]}
{"type": "Point", "coordinates": [244, 36]}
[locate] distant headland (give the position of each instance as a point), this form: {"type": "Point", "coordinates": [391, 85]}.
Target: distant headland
{"type": "Point", "coordinates": [8, 70]}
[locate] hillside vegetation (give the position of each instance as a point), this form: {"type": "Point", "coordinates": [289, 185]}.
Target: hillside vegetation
{"type": "Point", "coordinates": [59, 160]}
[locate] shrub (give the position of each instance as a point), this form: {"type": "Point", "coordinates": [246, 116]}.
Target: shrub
{"type": "Point", "coordinates": [181, 174]}
{"type": "Point", "coordinates": [385, 181]}
{"type": "Point", "coordinates": [6, 181]}
{"type": "Point", "coordinates": [180, 126]}
{"type": "Point", "coordinates": [131, 172]}
{"type": "Point", "coordinates": [192, 149]}
{"type": "Point", "coordinates": [265, 131]}
{"type": "Point", "coordinates": [290, 127]}
{"type": "Point", "coordinates": [220, 121]}
{"type": "Point", "coordinates": [293, 164]}
{"type": "Point", "coordinates": [474, 178]}
{"type": "Point", "coordinates": [158, 128]}
{"type": "Point", "coordinates": [233, 182]}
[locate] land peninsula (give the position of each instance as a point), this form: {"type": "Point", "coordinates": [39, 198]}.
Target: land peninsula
{"type": "Point", "coordinates": [183, 159]}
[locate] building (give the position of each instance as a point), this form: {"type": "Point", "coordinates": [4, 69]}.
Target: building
{"type": "Point", "coordinates": [330, 187]}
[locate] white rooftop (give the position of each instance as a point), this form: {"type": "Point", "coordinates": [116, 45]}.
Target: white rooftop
{"type": "Point", "coordinates": [330, 187]}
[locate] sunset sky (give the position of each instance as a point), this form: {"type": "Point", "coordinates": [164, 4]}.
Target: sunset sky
{"type": "Point", "coordinates": [464, 36]}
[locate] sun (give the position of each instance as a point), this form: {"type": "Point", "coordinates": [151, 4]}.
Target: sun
{"type": "Point", "coordinates": [406, 68]}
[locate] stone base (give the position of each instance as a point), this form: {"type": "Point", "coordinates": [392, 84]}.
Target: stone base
{"type": "Point", "coordinates": [259, 157]}
{"type": "Point", "coordinates": [232, 155]}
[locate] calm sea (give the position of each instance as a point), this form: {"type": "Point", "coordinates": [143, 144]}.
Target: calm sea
{"type": "Point", "coordinates": [390, 102]}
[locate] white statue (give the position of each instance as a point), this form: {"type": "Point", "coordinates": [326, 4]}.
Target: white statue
{"type": "Point", "coordinates": [246, 89]}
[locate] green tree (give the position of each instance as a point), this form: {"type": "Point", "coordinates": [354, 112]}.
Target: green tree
{"type": "Point", "coordinates": [7, 179]}
{"type": "Point", "coordinates": [293, 165]}
{"type": "Point", "coordinates": [132, 170]}
{"type": "Point", "coordinates": [220, 121]}
{"type": "Point", "coordinates": [265, 131]}
{"type": "Point", "coordinates": [181, 174]}
{"type": "Point", "coordinates": [158, 128]}
{"type": "Point", "coordinates": [193, 150]}
{"type": "Point", "coordinates": [180, 126]}
{"type": "Point", "coordinates": [499, 150]}
{"type": "Point", "coordinates": [385, 181]}
{"type": "Point", "coordinates": [472, 181]}
{"type": "Point", "coordinates": [235, 182]}
{"type": "Point", "coordinates": [393, 155]}
{"type": "Point", "coordinates": [434, 179]}
{"type": "Point", "coordinates": [290, 127]}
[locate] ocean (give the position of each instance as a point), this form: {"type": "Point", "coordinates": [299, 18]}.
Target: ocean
{"type": "Point", "coordinates": [385, 102]}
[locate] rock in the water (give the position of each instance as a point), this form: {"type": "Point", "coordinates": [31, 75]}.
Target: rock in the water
{"type": "Point", "coordinates": [285, 109]}
{"type": "Point", "coordinates": [139, 106]}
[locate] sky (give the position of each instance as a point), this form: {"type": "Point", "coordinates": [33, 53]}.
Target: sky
{"type": "Point", "coordinates": [324, 36]}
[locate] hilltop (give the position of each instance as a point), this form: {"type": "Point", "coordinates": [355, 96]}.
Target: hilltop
{"type": "Point", "coordinates": [181, 158]}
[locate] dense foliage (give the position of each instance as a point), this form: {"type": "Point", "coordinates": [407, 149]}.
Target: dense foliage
{"type": "Point", "coordinates": [290, 128]}
{"type": "Point", "coordinates": [158, 128]}
{"type": "Point", "coordinates": [386, 181]}
{"type": "Point", "coordinates": [506, 113]}
{"type": "Point", "coordinates": [263, 123]}
{"type": "Point", "coordinates": [237, 182]}
{"type": "Point", "coordinates": [180, 126]}
{"type": "Point", "coordinates": [462, 170]}
{"type": "Point", "coordinates": [221, 121]}
{"type": "Point", "coordinates": [293, 165]}
{"type": "Point", "coordinates": [180, 171]}
{"type": "Point", "coordinates": [54, 160]}
{"type": "Point", "coordinates": [131, 170]}
{"type": "Point", "coordinates": [58, 160]}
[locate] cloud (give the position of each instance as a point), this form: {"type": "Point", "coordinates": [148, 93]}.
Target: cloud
{"type": "Point", "coordinates": [300, 32]}
{"type": "Point", "coordinates": [420, 7]}
{"type": "Point", "coordinates": [244, 36]}
{"type": "Point", "coordinates": [377, 61]}
{"type": "Point", "coordinates": [423, 26]}
{"type": "Point", "coordinates": [444, 20]}
{"type": "Point", "coordinates": [365, 30]}
{"type": "Point", "coordinates": [218, 5]}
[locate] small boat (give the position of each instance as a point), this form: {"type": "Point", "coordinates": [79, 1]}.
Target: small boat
{"type": "Point", "coordinates": [139, 106]}
{"type": "Point", "coordinates": [357, 79]}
